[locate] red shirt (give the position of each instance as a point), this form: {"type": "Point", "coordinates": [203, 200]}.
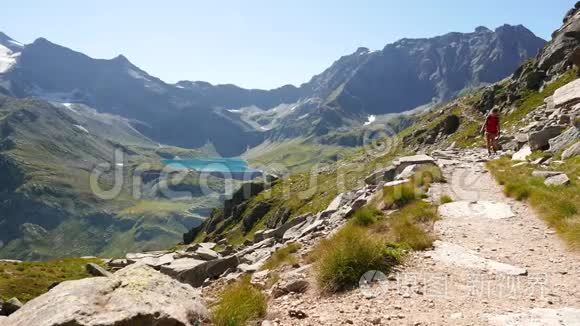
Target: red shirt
{"type": "Point", "coordinates": [492, 124]}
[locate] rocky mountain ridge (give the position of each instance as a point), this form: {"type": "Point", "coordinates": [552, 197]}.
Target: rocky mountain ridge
{"type": "Point", "coordinates": [197, 112]}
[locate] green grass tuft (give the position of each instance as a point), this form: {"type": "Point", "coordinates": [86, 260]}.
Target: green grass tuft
{"type": "Point", "coordinates": [342, 259]}
{"type": "Point", "coordinates": [283, 256]}
{"type": "Point", "coordinates": [445, 199]}
{"type": "Point", "coordinates": [366, 216]}
{"type": "Point", "coordinates": [400, 195]}
{"type": "Point", "coordinates": [239, 304]}
{"type": "Point", "coordinates": [409, 227]}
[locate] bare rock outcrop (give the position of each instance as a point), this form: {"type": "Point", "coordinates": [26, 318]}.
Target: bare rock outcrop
{"type": "Point", "coordinates": [135, 295]}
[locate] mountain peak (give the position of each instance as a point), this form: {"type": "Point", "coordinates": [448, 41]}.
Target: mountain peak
{"type": "Point", "coordinates": [482, 29]}
{"type": "Point", "coordinates": [362, 50]}
{"type": "Point", "coordinates": [121, 59]}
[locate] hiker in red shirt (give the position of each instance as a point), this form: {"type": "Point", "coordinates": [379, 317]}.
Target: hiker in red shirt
{"type": "Point", "coordinates": [491, 130]}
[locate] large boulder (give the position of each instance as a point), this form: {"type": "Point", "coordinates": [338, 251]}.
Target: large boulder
{"type": "Point", "coordinates": [153, 258]}
{"type": "Point", "coordinates": [402, 162]}
{"type": "Point", "coordinates": [279, 232]}
{"type": "Point", "coordinates": [136, 295]}
{"type": "Point", "coordinates": [195, 272]}
{"type": "Point", "coordinates": [567, 95]}
{"type": "Point", "coordinates": [557, 180]}
{"type": "Point", "coordinates": [381, 175]}
{"type": "Point", "coordinates": [565, 139]}
{"type": "Point", "coordinates": [540, 140]}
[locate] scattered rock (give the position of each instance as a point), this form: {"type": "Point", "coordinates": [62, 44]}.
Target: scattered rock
{"type": "Point", "coordinates": [259, 278]}
{"type": "Point", "coordinates": [539, 140]}
{"type": "Point", "coordinates": [557, 180]}
{"type": "Point", "coordinates": [298, 314]}
{"type": "Point", "coordinates": [293, 282]}
{"type": "Point", "coordinates": [118, 263]}
{"type": "Point", "coordinates": [408, 172]}
{"type": "Point", "coordinates": [206, 253]}
{"type": "Point", "coordinates": [97, 270]}
{"type": "Point", "coordinates": [136, 295]}
{"type": "Point", "coordinates": [382, 175]}
{"type": "Point", "coordinates": [522, 154]}
{"type": "Point", "coordinates": [567, 138]}
{"type": "Point", "coordinates": [403, 162]}
{"type": "Point", "coordinates": [572, 151]}
{"type": "Point", "coordinates": [194, 272]}
{"type": "Point", "coordinates": [545, 174]}
{"type": "Point", "coordinates": [279, 232]}
{"type": "Point", "coordinates": [9, 307]}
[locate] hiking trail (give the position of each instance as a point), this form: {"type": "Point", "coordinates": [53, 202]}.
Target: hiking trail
{"type": "Point", "coordinates": [495, 263]}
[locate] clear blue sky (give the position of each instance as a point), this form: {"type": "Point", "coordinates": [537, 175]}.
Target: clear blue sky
{"type": "Point", "coordinates": [257, 44]}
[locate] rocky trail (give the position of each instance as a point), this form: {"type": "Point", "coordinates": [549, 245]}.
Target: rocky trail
{"type": "Point", "coordinates": [495, 263]}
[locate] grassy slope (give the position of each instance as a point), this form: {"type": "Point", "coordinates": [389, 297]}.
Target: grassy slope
{"type": "Point", "coordinates": [312, 192]}
{"type": "Point", "coordinates": [28, 280]}
{"type": "Point", "coordinates": [56, 158]}
{"type": "Point", "coordinates": [559, 206]}
{"type": "Point", "coordinates": [293, 156]}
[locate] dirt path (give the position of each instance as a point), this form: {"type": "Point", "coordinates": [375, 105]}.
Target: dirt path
{"type": "Point", "coordinates": [485, 270]}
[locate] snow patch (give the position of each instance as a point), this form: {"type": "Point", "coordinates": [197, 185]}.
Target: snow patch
{"type": "Point", "coordinates": [7, 58]}
{"type": "Point", "coordinates": [235, 111]}
{"type": "Point", "coordinates": [371, 119]}
{"type": "Point", "coordinates": [303, 116]}
{"type": "Point", "coordinates": [15, 43]}
{"type": "Point", "coordinates": [81, 128]}
{"type": "Point", "coordinates": [138, 75]}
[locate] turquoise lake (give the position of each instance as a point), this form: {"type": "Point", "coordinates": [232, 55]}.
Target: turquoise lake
{"type": "Point", "coordinates": [232, 165]}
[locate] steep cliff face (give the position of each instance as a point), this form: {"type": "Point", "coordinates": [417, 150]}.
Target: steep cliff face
{"type": "Point", "coordinates": [413, 72]}
{"type": "Point", "coordinates": [561, 52]}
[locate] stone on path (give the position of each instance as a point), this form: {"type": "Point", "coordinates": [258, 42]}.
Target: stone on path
{"type": "Point", "coordinates": [136, 295]}
{"type": "Point", "coordinates": [539, 317]}
{"type": "Point", "coordinates": [456, 255]}
{"type": "Point", "coordinates": [478, 209]}
{"type": "Point", "coordinates": [522, 154]}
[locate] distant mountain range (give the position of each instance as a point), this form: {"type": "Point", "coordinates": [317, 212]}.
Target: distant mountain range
{"type": "Point", "coordinates": [404, 75]}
